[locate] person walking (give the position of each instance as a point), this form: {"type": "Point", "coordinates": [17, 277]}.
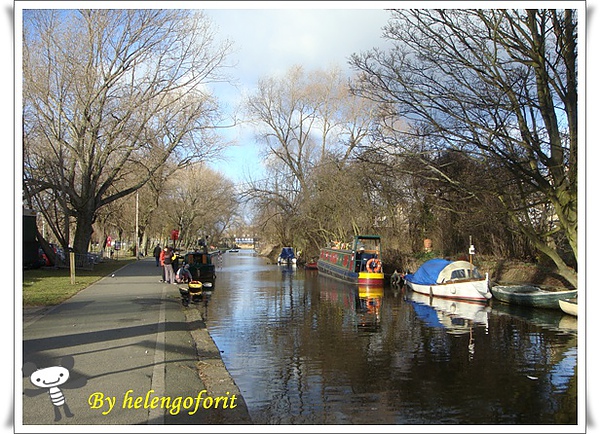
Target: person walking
{"type": "Point", "coordinates": [157, 251]}
{"type": "Point", "coordinates": [168, 261]}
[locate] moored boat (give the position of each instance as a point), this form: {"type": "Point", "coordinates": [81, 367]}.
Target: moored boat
{"type": "Point", "coordinates": [360, 262]}
{"type": "Point", "coordinates": [311, 265]}
{"type": "Point", "coordinates": [533, 296]}
{"type": "Point", "coordinates": [287, 256]}
{"type": "Point", "coordinates": [202, 266]}
{"type": "Point", "coordinates": [460, 280]}
{"type": "Point", "coordinates": [568, 306]}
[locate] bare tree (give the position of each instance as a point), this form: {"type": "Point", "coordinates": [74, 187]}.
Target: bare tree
{"type": "Point", "coordinates": [499, 86]}
{"type": "Point", "coordinates": [109, 96]}
{"type": "Point", "coordinates": [198, 202]}
{"type": "Point", "coordinates": [305, 121]}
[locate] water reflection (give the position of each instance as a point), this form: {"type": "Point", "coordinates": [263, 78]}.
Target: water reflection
{"type": "Point", "coordinates": [368, 307]}
{"type": "Point", "coordinates": [457, 317]}
{"type": "Point", "coordinates": [454, 316]}
{"type": "Point", "coordinates": [361, 303]}
{"type": "Point", "coordinates": [308, 349]}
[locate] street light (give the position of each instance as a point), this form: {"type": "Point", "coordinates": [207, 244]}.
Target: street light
{"type": "Point", "coordinates": [137, 238]}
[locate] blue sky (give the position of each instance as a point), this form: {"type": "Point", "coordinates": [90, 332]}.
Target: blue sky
{"type": "Point", "coordinates": [269, 41]}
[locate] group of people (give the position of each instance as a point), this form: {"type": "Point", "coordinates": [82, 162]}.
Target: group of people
{"type": "Point", "coordinates": [168, 260]}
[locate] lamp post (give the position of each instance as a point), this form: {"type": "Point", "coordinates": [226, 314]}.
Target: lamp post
{"type": "Point", "coordinates": [137, 238]}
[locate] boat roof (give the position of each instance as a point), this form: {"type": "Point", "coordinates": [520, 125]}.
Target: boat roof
{"type": "Point", "coordinates": [368, 237]}
{"type": "Point", "coordinates": [436, 270]}
{"type": "Point", "coordinates": [287, 252]}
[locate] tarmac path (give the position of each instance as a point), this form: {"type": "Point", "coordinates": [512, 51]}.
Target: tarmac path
{"type": "Point", "coordinates": [140, 358]}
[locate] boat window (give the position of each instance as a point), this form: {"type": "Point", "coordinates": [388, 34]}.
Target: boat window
{"type": "Point", "coordinates": [465, 273]}
{"type": "Point", "coordinates": [458, 274]}
{"type": "Point", "coordinates": [368, 245]}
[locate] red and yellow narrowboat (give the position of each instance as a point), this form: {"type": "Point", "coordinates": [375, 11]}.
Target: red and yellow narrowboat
{"type": "Point", "coordinates": [359, 262]}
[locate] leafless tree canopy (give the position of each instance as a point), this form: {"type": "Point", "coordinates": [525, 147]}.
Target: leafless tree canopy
{"type": "Point", "coordinates": [109, 96]}
{"type": "Point", "coordinates": [499, 86]}
{"type": "Point", "coordinates": [467, 125]}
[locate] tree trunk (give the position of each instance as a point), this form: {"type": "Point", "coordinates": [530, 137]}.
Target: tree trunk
{"type": "Point", "coordinates": [83, 232]}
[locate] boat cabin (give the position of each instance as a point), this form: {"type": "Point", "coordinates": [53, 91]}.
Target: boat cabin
{"type": "Point", "coordinates": [366, 248]}
{"type": "Point", "coordinates": [459, 270]}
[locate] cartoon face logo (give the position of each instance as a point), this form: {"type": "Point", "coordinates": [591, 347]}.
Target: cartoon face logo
{"type": "Point", "coordinates": [49, 379]}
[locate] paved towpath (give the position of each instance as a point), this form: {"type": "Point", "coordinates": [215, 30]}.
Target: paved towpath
{"type": "Point", "coordinates": [140, 358]}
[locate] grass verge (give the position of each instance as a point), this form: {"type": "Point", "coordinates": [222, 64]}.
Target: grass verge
{"type": "Point", "coordinates": [49, 286]}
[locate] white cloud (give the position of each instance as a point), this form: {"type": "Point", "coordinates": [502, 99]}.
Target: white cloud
{"type": "Point", "coordinates": [268, 42]}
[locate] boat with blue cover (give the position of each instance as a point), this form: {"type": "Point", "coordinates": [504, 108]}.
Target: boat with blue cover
{"type": "Point", "coordinates": [287, 256]}
{"type": "Point", "coordinates": [450, 279]}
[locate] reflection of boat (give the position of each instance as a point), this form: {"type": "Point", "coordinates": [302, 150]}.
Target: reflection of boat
{"type": "Point", "coordinates": [568, 322]}
{"type": "Point", "coordinates": [452, 279]}
{"type": "Point", "coordinates": [286, 257]}
{"type": "Point", "coordinates": [527, 295]}
{"type": "Point", "coordinates": [551, 319]}
{"type": "Point", "coordinates": [358, 263]}
{"type": "Point", "coordinates": [568, 306]}
{"type": "Point", "coordinates": [368, 306]}
{"type": "Point", "coordinates": [360, 304]}
{"type": "Point", "coordinates": [454, 315]}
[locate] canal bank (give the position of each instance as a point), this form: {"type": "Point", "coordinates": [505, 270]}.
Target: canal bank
{"type": "Point", "coordinates": [128, 335]}
{"type": "Point", "coordinates": [213, 373]}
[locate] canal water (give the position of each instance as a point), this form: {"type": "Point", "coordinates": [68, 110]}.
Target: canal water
{"type": "Point", "coordinates": [308, 349]}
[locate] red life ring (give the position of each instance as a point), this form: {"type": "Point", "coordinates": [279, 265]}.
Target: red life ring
{"type": "Point", "coordinates": [373, 265]}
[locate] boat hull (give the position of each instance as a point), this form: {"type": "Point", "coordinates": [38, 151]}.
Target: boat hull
{"type": "Point", "coordinates": [531, 296]}
{"type": "Point", "coordinates": [568, 306]}
{"type": "Point", "coordinates": [346, 275]}
{"type": "Point", "coordinates": [470, 290]}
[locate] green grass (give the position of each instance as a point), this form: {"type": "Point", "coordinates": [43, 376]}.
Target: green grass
{"type": "Point", "coordinates": [49, 287]}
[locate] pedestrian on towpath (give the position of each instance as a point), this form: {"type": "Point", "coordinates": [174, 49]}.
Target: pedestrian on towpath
{"type": "Point", "coordinates": [157, 251]}
{"type": "Point", "coordinates": [168, 261]}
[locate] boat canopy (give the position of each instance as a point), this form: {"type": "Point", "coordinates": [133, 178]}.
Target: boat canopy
{"type": "Point", "coordinates": [442, 270]}
{"type": "Point", "coordinates": [287, 253]}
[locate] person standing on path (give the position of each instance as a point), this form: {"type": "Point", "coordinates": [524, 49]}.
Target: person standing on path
{"type": "Point", "coordinates": [163, 252]}
{"type": "Point", "coordinates": [168, 261]}
{"type": "Point", "coordinates": [157, 251]}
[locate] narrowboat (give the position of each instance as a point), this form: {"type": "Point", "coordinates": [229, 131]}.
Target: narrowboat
{"type": "Point", "coordinates": [359, 262]}
{"type": "Point", "coordinates": [202, 266]}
